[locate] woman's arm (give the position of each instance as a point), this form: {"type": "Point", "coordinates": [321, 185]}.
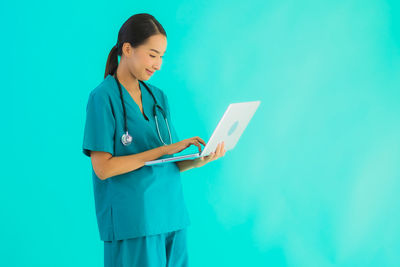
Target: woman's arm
{"type": "Point", "coordinates": [185, 165]}
{"type": "Point", "coordinates": [105, 165]}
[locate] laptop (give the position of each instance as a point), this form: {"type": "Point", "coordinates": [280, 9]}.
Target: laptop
{"type": "Point", "coordinates": [229, 129]}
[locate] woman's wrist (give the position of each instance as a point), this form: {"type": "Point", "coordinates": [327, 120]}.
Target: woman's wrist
{"type": "Point", "coordinates": [198, 163]}
{"type": "Point", "coordinates": [165, 150]}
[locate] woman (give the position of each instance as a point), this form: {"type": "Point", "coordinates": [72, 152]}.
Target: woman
{"type": "Point", "coordinates": [141, 213]}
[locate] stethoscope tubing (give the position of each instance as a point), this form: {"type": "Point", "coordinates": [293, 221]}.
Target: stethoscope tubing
{"type": "Point", "coordinates": [126, 139]}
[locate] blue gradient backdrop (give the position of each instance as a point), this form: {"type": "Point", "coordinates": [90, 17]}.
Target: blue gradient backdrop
{"type": "Point", "coordinates": [314, 180]}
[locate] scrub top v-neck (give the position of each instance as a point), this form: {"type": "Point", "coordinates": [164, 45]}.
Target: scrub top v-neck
{"type": "Point", "coordinates": [141, 99]}
{"type": "Point", "coordinates": [148, 200]}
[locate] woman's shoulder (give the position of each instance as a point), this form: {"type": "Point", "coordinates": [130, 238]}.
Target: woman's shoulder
{"type": "Point", "coordinates": [104, 89]}
{"type": "Point", "coordinates": [155, 90]}
{"type": "Point", "coordinates": [158, 93]}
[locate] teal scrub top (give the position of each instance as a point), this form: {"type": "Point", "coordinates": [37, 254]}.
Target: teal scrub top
{"type": "Point", "coordinates": [145, 201]}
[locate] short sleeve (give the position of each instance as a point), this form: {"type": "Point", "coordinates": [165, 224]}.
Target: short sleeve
{"type": "Point", "coordinates": [175, 137]}
{"type": "Point", "coordinates": [100, 125]}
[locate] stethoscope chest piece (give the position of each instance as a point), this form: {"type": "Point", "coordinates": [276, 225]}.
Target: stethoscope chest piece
{"type": "Point", "coordinates": [126, 139]}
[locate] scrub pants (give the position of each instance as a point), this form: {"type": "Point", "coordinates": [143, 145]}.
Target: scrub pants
{"type": "Point", "coordinates": [163, 250]}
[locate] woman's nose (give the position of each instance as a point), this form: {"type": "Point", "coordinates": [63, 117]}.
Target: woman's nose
{"type": "Point", "coordinates": [157, 67]}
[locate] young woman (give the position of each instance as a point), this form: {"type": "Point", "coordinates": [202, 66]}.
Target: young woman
{"type": "Point", "coordinates": [141, 213]}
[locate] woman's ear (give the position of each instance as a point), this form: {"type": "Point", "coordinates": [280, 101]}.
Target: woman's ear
{"type": "Point", "coordinates": [127, 49]}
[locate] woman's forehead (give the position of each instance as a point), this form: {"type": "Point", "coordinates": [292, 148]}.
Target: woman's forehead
{"type": "Point", "coordinates": [156, 43]}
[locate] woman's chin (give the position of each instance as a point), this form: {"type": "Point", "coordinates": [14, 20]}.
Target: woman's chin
{"type": "Point", "coordinates": [146, 77]}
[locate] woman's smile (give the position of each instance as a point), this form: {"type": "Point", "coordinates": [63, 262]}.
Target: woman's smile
{"type": "Point", "coordinates": [149, 72]}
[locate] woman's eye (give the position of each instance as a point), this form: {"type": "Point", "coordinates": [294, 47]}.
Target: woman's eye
{"type": "Point", "coordinates": [155, 56]}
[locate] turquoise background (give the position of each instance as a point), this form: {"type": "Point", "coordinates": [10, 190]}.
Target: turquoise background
{"type": "Point", "coordinates": [314, 180]}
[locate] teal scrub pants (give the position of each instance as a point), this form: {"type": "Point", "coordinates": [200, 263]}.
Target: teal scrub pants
{"type": "Point", "coordinates": [163, 250]}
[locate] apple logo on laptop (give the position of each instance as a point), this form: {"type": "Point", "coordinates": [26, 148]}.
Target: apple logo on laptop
{"type": "Point", "coordinates": [233, 128]}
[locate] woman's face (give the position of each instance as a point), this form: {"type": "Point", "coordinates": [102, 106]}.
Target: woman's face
{"type": "Point", "coordinates": [145, 59]}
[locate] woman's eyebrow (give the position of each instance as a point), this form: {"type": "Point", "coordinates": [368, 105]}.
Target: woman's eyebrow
{"type": "Point", "coordinates": [157, 51]}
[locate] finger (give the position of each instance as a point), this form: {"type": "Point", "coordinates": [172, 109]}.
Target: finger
{"type": "Point", "coordinates": [218, 146]}
{"type": "Point", "coordinates": [218, 154]}
{"type": "Point", "coordinates": [210, 156]}
{"type": "Point", "coordinates": [218, 150]}
{"type": "Point", "coordinates": [193, 142]}
{"type": "Point", "coordinates": [199, 146]}
{"type": "Point", "coordinates": [201, 141]}
{"type": "Point", "coordinates": [222, 149]}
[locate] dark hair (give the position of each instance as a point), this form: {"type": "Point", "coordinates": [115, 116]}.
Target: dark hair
{"type": "Point", "coordinates": [135, 31]}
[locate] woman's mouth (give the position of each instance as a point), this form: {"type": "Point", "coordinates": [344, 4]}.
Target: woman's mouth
{"type": "Point", "coordinates": [149, 72]}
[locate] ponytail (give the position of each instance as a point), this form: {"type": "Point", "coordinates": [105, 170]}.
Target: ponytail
{"type": "Point", "coordinates": [112, 61]}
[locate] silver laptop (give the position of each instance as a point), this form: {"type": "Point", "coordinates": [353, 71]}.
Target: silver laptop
{"type": "Point", "coordinates": [229, 130]}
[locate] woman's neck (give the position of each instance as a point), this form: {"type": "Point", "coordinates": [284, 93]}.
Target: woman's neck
{"type": "Point", "coordinates": [130, 82]}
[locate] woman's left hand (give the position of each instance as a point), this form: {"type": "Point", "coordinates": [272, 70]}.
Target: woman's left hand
{"type": "Point", "coordinates": [219, 152]}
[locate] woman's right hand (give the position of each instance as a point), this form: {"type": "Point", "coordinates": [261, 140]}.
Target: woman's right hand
{"type": "Point", "coordinates": [181, 145]}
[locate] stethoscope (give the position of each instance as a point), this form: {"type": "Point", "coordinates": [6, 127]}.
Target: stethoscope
{"type": "Point", "coordinates": [126, 138]}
